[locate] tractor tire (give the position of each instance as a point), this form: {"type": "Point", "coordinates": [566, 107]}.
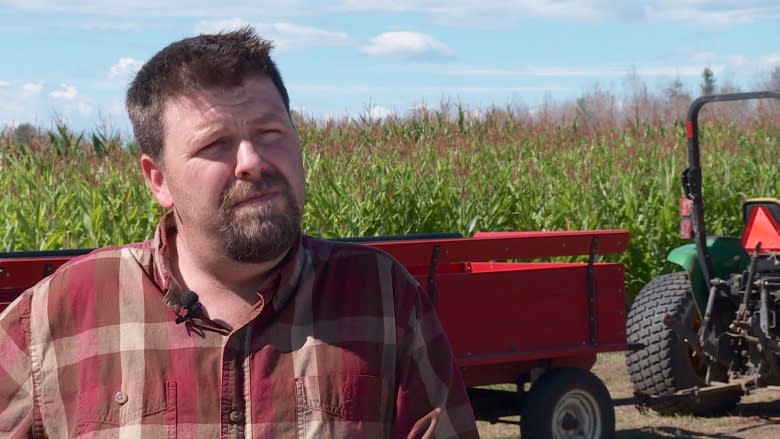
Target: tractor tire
{"type": "Point", "coordinates": [666, 363]}
{"type": "Point", "coordinates": [568, 403]}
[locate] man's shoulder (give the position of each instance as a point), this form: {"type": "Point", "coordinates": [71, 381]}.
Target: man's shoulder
{"type": "Point", "coordinates": [84, 292]}
{"type": "Point", "coordinates": [352, 259]}
{"type": "Point", "coordinates": [334, 249]}
{"type": "Point", "coordinates": [98, 263]}
{"type": "Point", "coordinates": [107, 254]}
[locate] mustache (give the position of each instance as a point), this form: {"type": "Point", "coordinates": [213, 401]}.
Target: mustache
{"type": "Point", "coordinates": [243, 190]}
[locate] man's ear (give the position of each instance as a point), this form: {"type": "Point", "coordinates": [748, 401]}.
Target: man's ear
{"type": "Point", "coordinates": [156, 180]}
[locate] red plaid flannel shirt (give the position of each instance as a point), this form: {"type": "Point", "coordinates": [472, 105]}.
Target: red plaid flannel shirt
{"type": "Point", "coordinates": [340, 344]}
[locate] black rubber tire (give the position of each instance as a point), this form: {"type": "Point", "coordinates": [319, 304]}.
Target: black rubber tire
{"type": "Point", "coordinates": [568, 403]}
{"type": "Point", "coordinates": [666, 365]}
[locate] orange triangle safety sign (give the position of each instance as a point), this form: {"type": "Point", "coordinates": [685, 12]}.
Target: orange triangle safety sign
{"type": "Point", "coordinates": [763, 228]}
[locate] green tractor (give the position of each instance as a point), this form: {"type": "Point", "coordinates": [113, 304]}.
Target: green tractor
{"type": "Point", "coordinates": [702, 337]}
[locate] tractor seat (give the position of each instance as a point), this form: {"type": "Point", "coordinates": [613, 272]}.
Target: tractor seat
{"type": "Point", "coordinates": [761, 217]}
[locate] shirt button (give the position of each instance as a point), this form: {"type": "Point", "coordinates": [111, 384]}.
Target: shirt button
{"type": "Point", "coordinates": [236, 417]}
{"type": "Point", "coordinates": [120, 398]}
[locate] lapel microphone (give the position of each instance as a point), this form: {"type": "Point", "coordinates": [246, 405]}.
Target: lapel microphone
{"type": "Point", "coordinates": [190, 301]}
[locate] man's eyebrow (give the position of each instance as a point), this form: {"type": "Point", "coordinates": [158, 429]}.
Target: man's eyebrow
{"type": "Point", "coordinates": [213, 129]}
{"type": "Point", "coordinates": [205, 133]}
{"type": "Point", "coordinates": [265, 117]}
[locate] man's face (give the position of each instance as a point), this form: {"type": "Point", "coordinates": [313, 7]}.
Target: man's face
{"type": "Point", "coordinates": [232, 171]}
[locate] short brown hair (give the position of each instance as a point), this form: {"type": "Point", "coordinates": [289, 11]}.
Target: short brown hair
{"type": "Point", "coordinates": [205, 61]}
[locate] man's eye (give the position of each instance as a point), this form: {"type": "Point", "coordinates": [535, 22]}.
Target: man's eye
{"type": "Point", "coordinates": [267, 132]}
{"type": "Point", "coordinates": [219, 143]}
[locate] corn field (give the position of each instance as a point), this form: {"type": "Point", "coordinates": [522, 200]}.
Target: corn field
{"type": "Point", "coordinates": [431, 172]}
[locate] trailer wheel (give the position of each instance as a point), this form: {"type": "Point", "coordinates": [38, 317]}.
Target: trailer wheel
{"type": "Point", "coordinates": [568, 403]}
{"type": "Point", "coordinates": [666, 363]}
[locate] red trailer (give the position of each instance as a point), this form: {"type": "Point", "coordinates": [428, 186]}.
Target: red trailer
{"type": "Point", "coordinates": [510, 317]}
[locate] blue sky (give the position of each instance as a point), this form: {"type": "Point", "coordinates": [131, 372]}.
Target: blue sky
{"type": "Point", "coordinates": [73, 59]}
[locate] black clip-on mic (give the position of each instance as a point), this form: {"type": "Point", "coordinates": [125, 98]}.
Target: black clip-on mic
{"type": "Point", "coordinates": [190, 301]}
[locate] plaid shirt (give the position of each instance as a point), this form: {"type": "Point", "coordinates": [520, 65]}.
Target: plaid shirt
{"type": "Point", "coordinates": [341, 343]}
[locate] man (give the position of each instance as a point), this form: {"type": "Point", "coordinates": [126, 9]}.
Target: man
{"type": "Point", "coordinates": [229, 323]}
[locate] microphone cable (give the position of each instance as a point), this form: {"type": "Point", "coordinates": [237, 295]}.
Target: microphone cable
{"type": "Point", "coordinates": [196, 317]}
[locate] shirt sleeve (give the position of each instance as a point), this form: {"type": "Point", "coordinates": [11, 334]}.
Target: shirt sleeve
{"type": "Point", "coordinates": [431, 401]}
{"type": "Point", "coordinates": [16, 388]}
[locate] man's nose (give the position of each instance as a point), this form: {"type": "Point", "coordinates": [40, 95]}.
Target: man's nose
{"type": "Point", "coordinates": [249, 162]}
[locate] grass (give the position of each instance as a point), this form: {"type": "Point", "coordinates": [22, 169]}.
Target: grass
{"type": "Point", "coordinates": [438, 170]}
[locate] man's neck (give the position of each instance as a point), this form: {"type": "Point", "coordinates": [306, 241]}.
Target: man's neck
{"type": "Point", "coordinates": [225, 287]}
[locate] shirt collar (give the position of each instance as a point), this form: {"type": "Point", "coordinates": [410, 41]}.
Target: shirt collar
{"type": "Point", "coordinates": [277, 287]}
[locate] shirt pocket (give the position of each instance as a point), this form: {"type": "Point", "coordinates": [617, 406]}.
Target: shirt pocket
{"type": "Point", "coordinates": [107, 411]}
{"type": "Point", "coordinates": [338, 405]}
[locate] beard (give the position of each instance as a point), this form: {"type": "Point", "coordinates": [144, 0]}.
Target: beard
{"type": "Point", "coordinates": [261, 233]}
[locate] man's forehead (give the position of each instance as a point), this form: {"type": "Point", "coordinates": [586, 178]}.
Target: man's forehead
{"type": "Point", "coordinates": [199, 100]}
{"type": "Point", "coordinates": [195, 110]}
{"type": "Point", "coordinates": [257, 92]}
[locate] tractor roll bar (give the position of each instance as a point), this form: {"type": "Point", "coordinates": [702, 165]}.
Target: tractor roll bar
{"type": "Point", "coordinates": [691, 177]}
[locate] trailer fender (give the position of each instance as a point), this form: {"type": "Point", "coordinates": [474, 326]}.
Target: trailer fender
{"type": "Point", "coordinates": [727, 255]}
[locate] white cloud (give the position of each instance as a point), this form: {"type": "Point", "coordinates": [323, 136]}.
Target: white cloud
{"type": "Point", "coordinates": [703, 57]}
{"type": "Point", "coordinates": [481, 71]}
{"type": "Point", "coordinates": [497, 13]}
{"type": "Point", "coordinates": [103, 26]}
{"type": "Point", "coordinates": [469, 13]}
{"type": "Point", "coordinates": [21, 104]}
{"type": "Point", "coordinates": [115, 107]}
{"type": "Point", "coordinates": [85, 108]}
{"type": "Point", "coordinates": [4, 83]}
{"type": "Point", "coordinates": [564, 71]}
{"type": "Point", "coordinates": [12, 28]}
{"type": "Point", "coordinates": [771, 60]}
{"type": "Point", "coordinates": [736, 61]}
{"type": "Point", "coordinates": [712, 14]}
{"type": "Point", "coordinates": [478, 114]}
{"type": "Point", "coordinates": [407, 45]}
{"type": "Point", "coordinates": [288, 36]}
{"type": "Point", "coordinates": [28, 103]}
{"type": "Point", "coordinates": [32, 88]}
{"type": "Point", "coordinates": [500, 13]}
{"type": "Point", "coordinates": [692, 68]}
{"type": "Point", "coordinates": [66, 92]}
{"type": "Point", "coordinates": [214, 26]}
{"type": "Point", "coordinates": [481, 90]}
{"type": "Point", "coordinates": [674, 71]}
{"type": "Point", "coordinates": [285, 36]}
{"type": "Point", "coordinates": [378, 112]}
{"type": "Point", "coordinates": [422, 107]}
{"type": "Point", "coordinates": [337, 88]}
{"type": "Point", "coordinates": [156, 8]}
{"type": "Point", "coordinates": [125, 68]}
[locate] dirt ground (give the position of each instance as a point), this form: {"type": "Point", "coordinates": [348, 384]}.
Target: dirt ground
{"type": "Point", "coordinates": [756, 417]}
